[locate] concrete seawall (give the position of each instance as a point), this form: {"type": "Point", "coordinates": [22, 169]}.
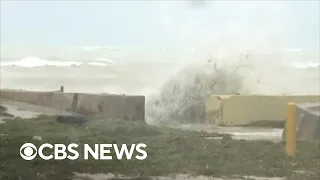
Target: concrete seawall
{"type": "Point", "coordinates": [307, 122]}
{"type": "Point", "coordinates": [104, 105]}
{"type": "Point", "coordinates": [231, 110]}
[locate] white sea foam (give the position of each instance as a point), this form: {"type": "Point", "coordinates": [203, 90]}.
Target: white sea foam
{"type": "Point", "coordinates": [104, 60]}
{"type": "Point", "coordinates": [38, 62]}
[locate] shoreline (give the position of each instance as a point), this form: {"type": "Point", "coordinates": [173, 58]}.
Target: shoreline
{"type": "Point", "coordinates": [170, 151]}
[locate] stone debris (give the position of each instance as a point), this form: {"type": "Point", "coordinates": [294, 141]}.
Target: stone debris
{"type": "Point", "coordinates": [37, 138]}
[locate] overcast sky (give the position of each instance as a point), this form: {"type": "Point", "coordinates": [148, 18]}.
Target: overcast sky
{"type": "Point", "coordinates": [153, 24]}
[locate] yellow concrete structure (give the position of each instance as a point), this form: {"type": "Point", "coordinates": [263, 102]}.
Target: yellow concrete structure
{"type": "Point", "coordinates": [291, 129]}
{"type": "Point", "coordinates": [231, 110]}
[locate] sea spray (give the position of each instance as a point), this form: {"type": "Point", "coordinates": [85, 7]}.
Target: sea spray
{"type": "Point", "coordinates": [181, 99]}
{"type": "Point", "coordinates": [226, 45]}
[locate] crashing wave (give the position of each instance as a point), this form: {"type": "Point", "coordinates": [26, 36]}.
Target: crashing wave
{"type": "Point", "coordinates": [181, 99]}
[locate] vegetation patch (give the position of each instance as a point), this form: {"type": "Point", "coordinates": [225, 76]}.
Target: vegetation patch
{"type": "Point", "coordinates": [170, 151]}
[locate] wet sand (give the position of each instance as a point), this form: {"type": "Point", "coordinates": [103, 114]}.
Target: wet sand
{"type": "Point", "coordinates": [25, 110]}
{"type": "Point", "coordinates": [244, 133]}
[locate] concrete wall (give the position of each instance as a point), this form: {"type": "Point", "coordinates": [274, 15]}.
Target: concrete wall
{"type": "Point", "coordinates": [231, 110]}
{"type": "Point", "coordinates": [104, 105]}
{"type": "Point", "coordinates": [307, 122]}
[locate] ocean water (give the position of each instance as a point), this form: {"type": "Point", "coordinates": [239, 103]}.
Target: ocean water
{"type": "Point", "coordinates": [32, 73]}
{"type": "Point", "coordinates": [291, 72]}
{"type": "Point", "coordinates": [172, 89]}
{"type": "Point", "coordinates": [209, 48]}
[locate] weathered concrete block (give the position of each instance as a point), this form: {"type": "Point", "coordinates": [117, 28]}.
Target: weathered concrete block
{"type": "Point", "coordinates": [103, 105]}
{"type": "Point", "coordinates": [113, 106]}
{"type": "Point", "coordinates": [230, 110]}
{"type": "Point", "coordinates": [308, 121]}
{"type": "Point", "coordinates": [55, 100]}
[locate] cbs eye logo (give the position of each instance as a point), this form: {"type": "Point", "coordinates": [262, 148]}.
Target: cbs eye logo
{"type": "Point", "coordinates": [28, 151]}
